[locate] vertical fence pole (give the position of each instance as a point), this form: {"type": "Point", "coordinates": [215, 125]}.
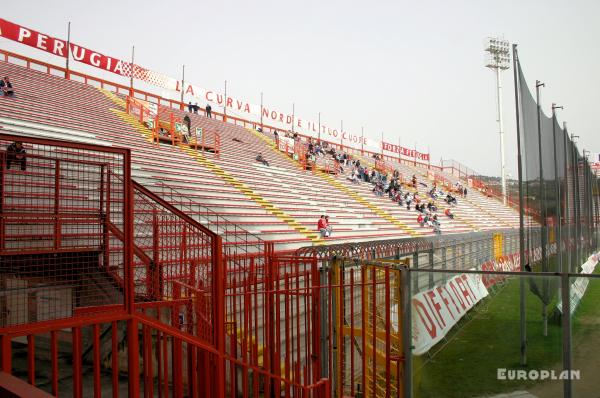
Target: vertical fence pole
{"type": "Point", "coordinates": [57, 237]}
{"type": "Point", "coordinates": [67, 69]}
{"type": "Point", "coordinates": [316, 316]}
{"type": "Point", "coordinates": [219, 289]}
{"type": "Point", "coordinates": [77, 367]}
{"type": "Point", "coordinates": [54, 363]}
{"type": "Point", "coordinates": [114, 359]}
{"type": "Point", "coordinates": [566, 332]}
{"type": "Point", "coordinates": [6, 343]}
{"type": "Point", "coordinates": [416, 267]}
{"type": "Point", "coordinates": [557, 191]}
{"type": "Point", "coordinates": [406, 295]}
{"type": "Point", "coordinates": [132, 324]}
{"type": "Point", "coordinates": [522, 313]}
{"type": "Point", "coordinates": [431, 252]}
{"type": "Point", "coordinates": [2, 185]}
{"type": "Point", "coordinates": [324, 338]}
{"type": "Point", "coordinates": [96, 353]}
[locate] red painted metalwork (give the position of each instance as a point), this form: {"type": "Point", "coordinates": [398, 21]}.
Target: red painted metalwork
{"type": "Point", "coordinates": [142, 267]}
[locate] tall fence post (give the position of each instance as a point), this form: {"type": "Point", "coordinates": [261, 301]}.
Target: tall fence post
{"type": "Point", "coordinates": [219, 268]}
{"type": "Point", "coordinates": [566, 333]}
{"type": "Point", "coordinates": [416, 267]}
{"type": "Point", "coordinates": [444, 253]}
{"type": "Point", "coordinates": [132, 325]}
{"type": "Point", "coordinates": [316, 318]}
{"type": "Point", "coordinates": [431, 252]}
{"type": "Point", "coordinates": [406, 296]}
{"type": "Point", "coordinates": [324, 338]}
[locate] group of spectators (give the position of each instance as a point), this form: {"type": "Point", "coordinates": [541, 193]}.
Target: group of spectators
{"type": "Point", "coordinates": [407, 194]}
{"type": "Point", "coordinates": [6, 87]}
{"type": "Point", "coordinates": [460, 189]}
{"type": "Point", "coordinates": [195, 108]}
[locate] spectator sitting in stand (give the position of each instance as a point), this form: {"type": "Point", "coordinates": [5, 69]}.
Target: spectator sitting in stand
{"type": "Point", "coordinates": [354, 176]}
{"type": "Point", "coordinates": [185, 134]}
{"type": "Point", "coordinates": [421, 220]}
{"type": "Point", "coordinates": [408, 198]}
{"type": "Point", "coordinates": [378, 189]}
{"type": "Point", "coordinates": [436, 225]}
{"type": "Point", "coordinates": [431, 206]}
{"type": "Point", "coordinates": [6, 86]}
{"type": "Point", "coordinates": [449, 213]}
{"type": "Point", "coordinates": [16, 153]}
{"type": "Point", "coordinates": [373, 177]}
{"type": "Point", "coordinates": [324, 227]}
{"type": "Point", "coordinates": [318, 150]}
{"type": "Point", "coordinates": [329, 228]}
{"type": "Point", "coordinates": [427, 219]}
{"type": "Point", "coordinates": [451, 200]}
{"type": "Point", "coordinates": [399, 198]}
{"type": "Point", "coordinates": [259, 158]}
{"type": "Point", "coordinates": [391, 193]}
{"type": "Point", "coordinates": [187, 122]}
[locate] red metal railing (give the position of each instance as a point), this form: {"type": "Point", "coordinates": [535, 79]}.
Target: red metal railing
{"type": "Point", "coordinates": [53, 208]}
{"type": "Point", "coordinates": [150, 284]}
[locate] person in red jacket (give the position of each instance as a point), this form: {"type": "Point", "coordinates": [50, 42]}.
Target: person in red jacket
{"type": "Point", "coordinates": [324, 227]}
{"type": "Point", "coordinates": [449, 213]}
{"type": "Point", "coordinates": [420, 219]}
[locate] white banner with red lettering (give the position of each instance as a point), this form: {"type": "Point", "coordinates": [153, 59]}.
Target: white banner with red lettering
{"type": "Point", "coordinates": [400, 150]}
{"type": "Point", "coordinates": [286, 144]}
{"type": "Point", "coordinates": [508, 263]}
{"type": "Point", "coordinates": [192, 93]}
{"type": "Point", "coordinates": [437, 310]}
{"type": "Point", "coordinates": [282, 120]}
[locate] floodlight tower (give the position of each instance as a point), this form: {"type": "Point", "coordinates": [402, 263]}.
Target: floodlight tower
{"type": "Point", "coordinates": [498, 59]}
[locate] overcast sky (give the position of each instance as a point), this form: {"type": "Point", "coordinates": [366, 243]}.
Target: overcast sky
{"type": "Point", "coordinates": [412, 70]}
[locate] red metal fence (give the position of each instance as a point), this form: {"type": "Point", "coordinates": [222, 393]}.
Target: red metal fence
{"type": "Point", "coordinates": [54, 202]}
{"type": "Point", "coordinates": [102, 275]}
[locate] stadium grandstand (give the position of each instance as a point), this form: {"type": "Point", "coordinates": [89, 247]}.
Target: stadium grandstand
{"type": "Point", "coordinates": [150, 247]}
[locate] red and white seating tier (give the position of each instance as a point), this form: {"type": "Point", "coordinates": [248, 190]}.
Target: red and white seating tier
{"type": "Point", "coordinates": [52, 107]}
